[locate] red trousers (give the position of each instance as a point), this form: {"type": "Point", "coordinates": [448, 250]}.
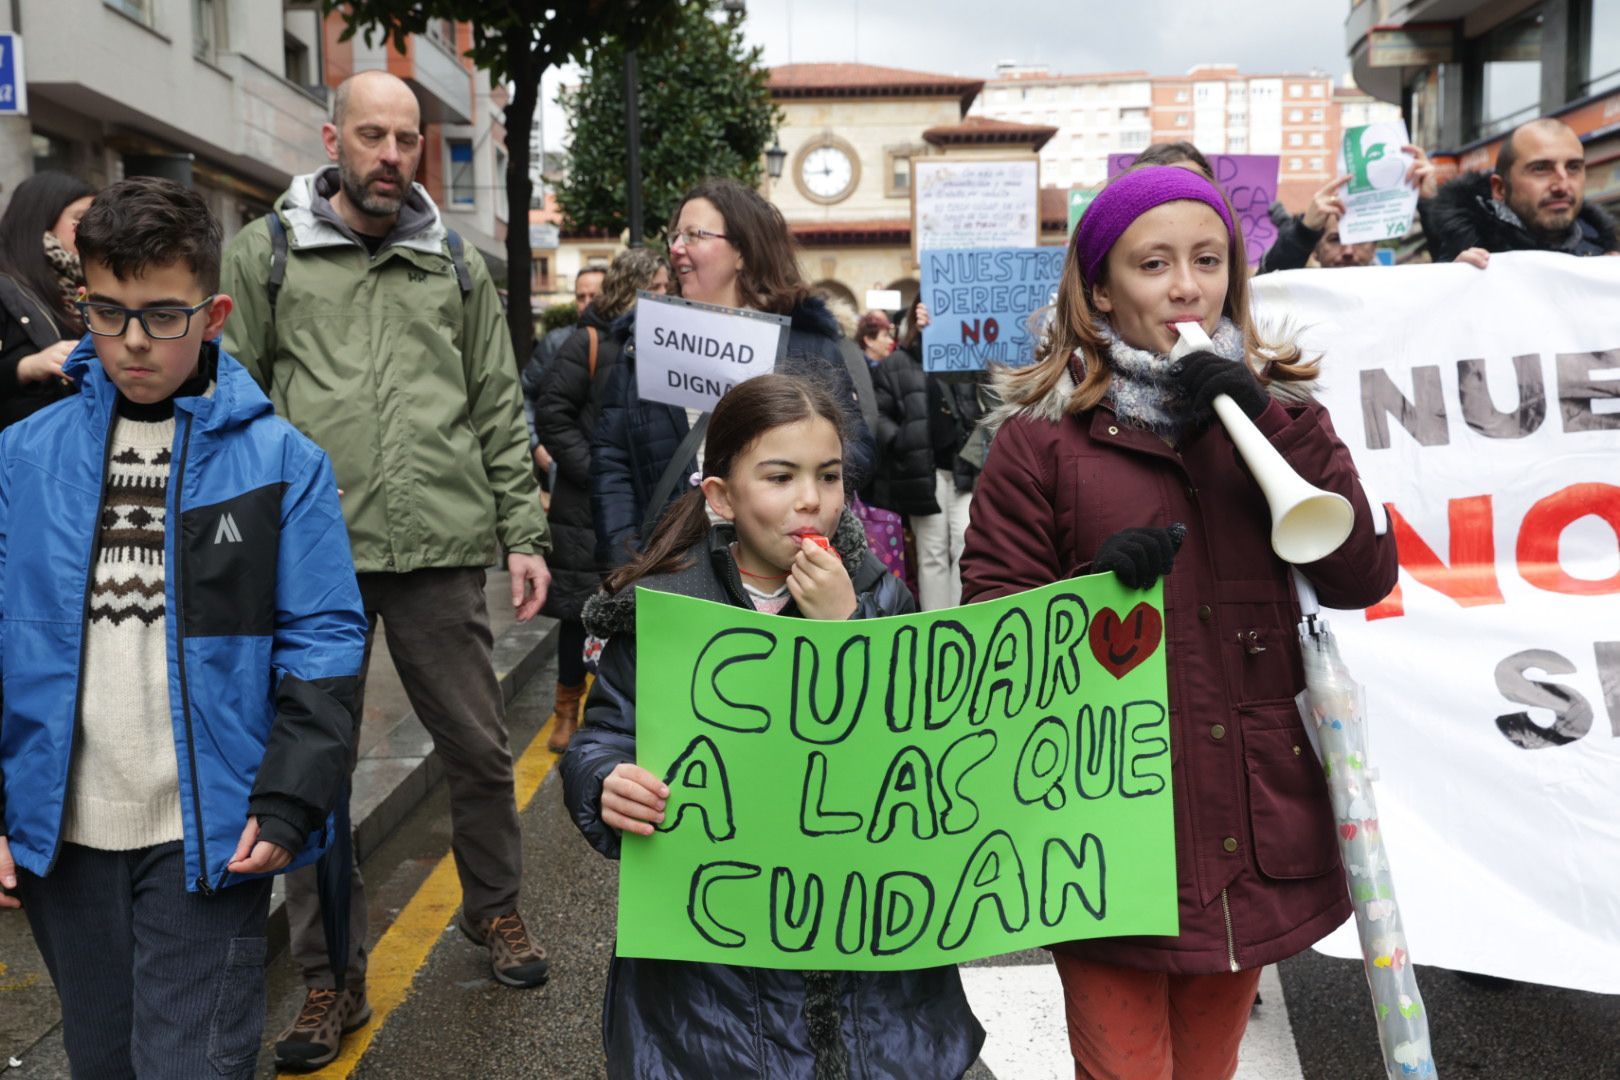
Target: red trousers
{"type": "Point", "coordinates": [1144, 1025]}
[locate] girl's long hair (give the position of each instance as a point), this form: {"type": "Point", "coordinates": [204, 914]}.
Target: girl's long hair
{"type": "Point", "coordinates": [743, 416]}
{"type": "Point", "coordinates": [769, 278]}
{"type": "Point", "coordinates": [35, 205]}
{"type": "Point", "coordinates": [1075, 331]}
{"type": "Point", "coordinates": [632, 270]}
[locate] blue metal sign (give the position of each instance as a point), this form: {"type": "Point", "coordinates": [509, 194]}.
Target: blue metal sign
{"type": "Point", "coordinates": [13, 88]}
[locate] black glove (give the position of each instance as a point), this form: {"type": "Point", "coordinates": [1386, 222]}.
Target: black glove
{"type": "Point", "coordinates": [1139, 557]}
{"type": "Point", "coordinates": [1203, 376]}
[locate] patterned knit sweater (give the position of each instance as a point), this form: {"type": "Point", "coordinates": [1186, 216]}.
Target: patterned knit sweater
{"type": "Point", "coordinates": [124, 788]}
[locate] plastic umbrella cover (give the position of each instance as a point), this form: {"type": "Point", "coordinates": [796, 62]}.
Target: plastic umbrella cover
{"type": "Point", "coordinates": [1335, 720]}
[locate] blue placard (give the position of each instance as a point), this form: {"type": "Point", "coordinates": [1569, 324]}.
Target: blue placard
{"type": "Point", "coordinates": [13, 90]}
{"type": "Point", "coordinates": [980, 303]}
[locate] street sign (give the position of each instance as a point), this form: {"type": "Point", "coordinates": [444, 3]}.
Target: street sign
{"type": "Point", "coordinates": [13, 86]}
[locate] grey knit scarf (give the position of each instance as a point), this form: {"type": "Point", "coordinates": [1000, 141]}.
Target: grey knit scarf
{"type": "Point", "coordinates": [1142, 390]}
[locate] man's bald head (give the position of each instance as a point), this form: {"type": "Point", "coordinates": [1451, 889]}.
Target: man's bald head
{"type": "Point", "coordinates": [368, 84]}
{"type": "Point", "coordinates": [376, 139]}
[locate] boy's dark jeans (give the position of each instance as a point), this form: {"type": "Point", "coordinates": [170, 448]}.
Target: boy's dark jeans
{"type": "Point", "coordinates": [154, 981]}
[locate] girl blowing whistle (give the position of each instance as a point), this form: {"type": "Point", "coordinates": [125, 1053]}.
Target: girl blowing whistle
{"type": "Point", "coordinates": [1107, 459]}
{"type": "Point", "coordinates": [773, 471]}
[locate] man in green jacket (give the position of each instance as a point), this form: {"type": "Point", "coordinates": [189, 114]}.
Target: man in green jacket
{"type": "Point", "coordinates": [373, 348]}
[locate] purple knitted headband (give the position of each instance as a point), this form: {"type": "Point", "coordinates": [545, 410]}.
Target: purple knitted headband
{"type": "Point", "coordinates": [1129, 196]}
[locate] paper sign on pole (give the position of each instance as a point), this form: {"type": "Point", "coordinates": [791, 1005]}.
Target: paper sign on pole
{"type": "Point", "coordinates": [1378, 201]}
{"type": "Point", "coordinates": [1493, 673]}
{"type": "Point", "coordinates": [1250, 184]}
{"type": "Point", "coordinates": [13, 79]}
{"type": "Point", "coordinates": [689, 354]}
{"type": "Point", "coordinates": [883, 300]}
{"type": "Point", "coordinates": [980, 303]}
{"type": "Point", "coordinates": [976, 204]}
{"type": "Point", "coordinates": [902, 792]}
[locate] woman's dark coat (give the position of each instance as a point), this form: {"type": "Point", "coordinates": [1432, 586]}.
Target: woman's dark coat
{"type": "Point", "coordinates": [568, 404]}
{"type": "Point", "coordinates": [954, 411]}
{"type": "Point", "coordinates": [635, 439]}
{"type": "Point", "coordinates": [904, 480]}
{"type": "Point", "coordinates": [674, 1019]}
{"type": "Point", "coordinates": [1257, 861]}
{"type": "Point", "coordinates": [27, 325]}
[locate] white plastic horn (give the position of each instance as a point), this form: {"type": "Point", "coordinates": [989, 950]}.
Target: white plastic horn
{"type": "Point", "coordinates": [1307, 523]}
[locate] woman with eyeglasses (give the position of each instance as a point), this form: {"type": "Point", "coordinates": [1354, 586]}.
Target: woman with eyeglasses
{"type": "Point", "coordinates": [39, 281]}
{"type": "Point", "coordinates": [729, 247]}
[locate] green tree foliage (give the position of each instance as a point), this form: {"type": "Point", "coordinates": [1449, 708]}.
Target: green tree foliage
{"type": "Point", "coordinates": [515, 41]}
{"type": "Point", "coordinates": [705, 111]}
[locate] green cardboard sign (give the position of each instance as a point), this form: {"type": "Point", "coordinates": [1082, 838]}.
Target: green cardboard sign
{"type": "Point", "coordinates": [902, 792]}
{"type": "Point", "coordinates": [1079, 199]}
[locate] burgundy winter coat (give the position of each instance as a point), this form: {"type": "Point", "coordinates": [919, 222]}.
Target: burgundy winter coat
{"type": "Point", "coordinates": [1257, 860]}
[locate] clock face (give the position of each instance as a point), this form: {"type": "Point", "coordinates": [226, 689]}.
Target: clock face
{"type": "Point", "coordinates": [827, 172]}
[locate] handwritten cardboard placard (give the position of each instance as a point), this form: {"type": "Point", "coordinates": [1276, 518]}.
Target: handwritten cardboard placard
{"type": "Point", "coordinates": [1378, 201]}
{"type": "Point", "coordinates": [980, 303]}
{"type": "Point", "coordinates": [975, 204]}
{"type": "Point", "coordinates": [902, 792]}
{"type": "Point", "coordinates": [689, 354]}
{"type": "Point", "coordinates": [1250, 184]}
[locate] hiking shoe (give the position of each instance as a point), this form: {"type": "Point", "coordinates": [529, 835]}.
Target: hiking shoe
{"type": "Point", "coordinates": [514, 958]}
{"type": "Point", "coordinates": [316, 1035]}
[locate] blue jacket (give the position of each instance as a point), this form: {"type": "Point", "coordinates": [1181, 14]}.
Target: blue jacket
{"type": "Point", "coordinates": [671, 1018]}
{"type": "Point", "coordinates": [265, 630]}
{"type": "Point", "coordinates": [635, 440]}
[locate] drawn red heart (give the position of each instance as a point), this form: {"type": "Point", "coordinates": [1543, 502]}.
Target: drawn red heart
{"type": "Point", "coordinates": [1121, 644]}
{"type": "Point", "coordinates": [1348, 831]}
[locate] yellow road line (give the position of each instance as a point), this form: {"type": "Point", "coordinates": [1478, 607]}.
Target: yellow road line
{"type": "Point", "coordinates": [404, 946]}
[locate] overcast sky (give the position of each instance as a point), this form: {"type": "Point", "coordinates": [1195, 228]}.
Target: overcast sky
{"type": "Point", "coordinates": [969, 37]}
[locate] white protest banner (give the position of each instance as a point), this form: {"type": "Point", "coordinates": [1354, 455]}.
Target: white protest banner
{"type": "Point", "coordinates": [883, 300]}
{"type": "Point", "coordinates": [689, 354]}
{"type": "Point", "coordinates": [975, 204]}
{"type": "Point", "coordinates": [1378, 202]}
{"type": "Point", "coordinates": [1483, 409]}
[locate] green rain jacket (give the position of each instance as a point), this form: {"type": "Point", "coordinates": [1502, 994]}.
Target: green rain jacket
{"type": "Point", "coordinates": [410, 388]}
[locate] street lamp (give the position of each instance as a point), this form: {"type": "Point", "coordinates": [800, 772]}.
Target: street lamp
{"type": "Point", "coordinates": [775, 158]}
{"type": "Point", "coordinates": [734, 9]}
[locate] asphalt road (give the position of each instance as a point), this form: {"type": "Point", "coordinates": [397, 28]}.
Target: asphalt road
{"type": "Point", "coordinates": [454, 1020]}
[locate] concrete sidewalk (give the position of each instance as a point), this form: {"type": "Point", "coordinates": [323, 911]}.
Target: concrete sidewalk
{"type": "Point", "coordinates": [397, 767]}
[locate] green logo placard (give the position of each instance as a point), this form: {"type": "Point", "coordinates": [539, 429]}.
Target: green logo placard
{"type": "Point", "coordinates": [1079, 199]}
{"type": "Point", "coordinates": [902, 792]}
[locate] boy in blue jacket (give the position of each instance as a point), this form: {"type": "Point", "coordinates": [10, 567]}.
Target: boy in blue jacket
{"type": "Point", "coordinates": [180, 636]}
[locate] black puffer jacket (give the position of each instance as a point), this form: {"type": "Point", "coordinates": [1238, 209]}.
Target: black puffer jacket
{"type": "Point", "coordinates": [1296, 243]}
{"type": "Point", "coordinates": [1463, 215]}
{"type": "Point", "coordinates": [566, 409]}
{"type": "Point", "coordinates": [904, 481]}
{"type": "Point", "coordinates": [26, 326]}
{"type": "Point", "coordinates": [672, 1019]}
{"type": "Point", "coordinates": [955, 407]}
{"type": "Point", "coordinates": [636, 439]}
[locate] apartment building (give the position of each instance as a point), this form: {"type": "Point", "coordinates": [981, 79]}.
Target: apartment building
{"type": "Point", "coordinates": [1214, 106]}
{"type": "Point", "coordinates": [229, 96]}
{"type": "Point", "coordinates": [1466, 72]}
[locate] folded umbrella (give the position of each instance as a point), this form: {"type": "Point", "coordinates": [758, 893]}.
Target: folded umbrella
{"type": "Point", "coordinates": [1333, 706]}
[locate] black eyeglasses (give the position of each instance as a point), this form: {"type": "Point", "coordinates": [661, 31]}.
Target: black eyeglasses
{"type": "Point", "coordinates": [159, 323]}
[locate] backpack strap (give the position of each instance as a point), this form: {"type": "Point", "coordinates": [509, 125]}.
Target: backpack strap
{"type": "Point", "coordinates": [458, 256]}
{"type": "Point", "coordinates": [590, 332]}
{"type": "Point", "coordinates": [278, 258]}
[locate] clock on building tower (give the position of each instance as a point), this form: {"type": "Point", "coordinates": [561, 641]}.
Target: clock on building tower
{"type": "Point", "coordinates": [827, 171]}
